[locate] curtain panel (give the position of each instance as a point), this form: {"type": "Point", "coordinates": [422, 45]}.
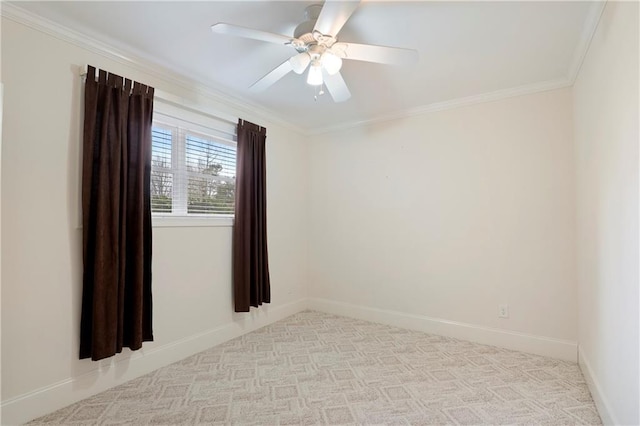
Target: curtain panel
{"type": "Point", "coordinates": [116, 216]}
{"type": "Point", "coordinates": [251, 285]}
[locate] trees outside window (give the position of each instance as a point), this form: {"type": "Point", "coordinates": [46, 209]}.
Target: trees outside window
{"type": "Point", "coordinates": [191, 173]}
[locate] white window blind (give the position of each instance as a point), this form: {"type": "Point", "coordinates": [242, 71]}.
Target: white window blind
{"type": "Point", "coordinates": [193, 169]}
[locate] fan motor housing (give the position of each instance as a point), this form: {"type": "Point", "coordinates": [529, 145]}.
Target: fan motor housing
{"type": "Point", "coordinates": [304, 31]}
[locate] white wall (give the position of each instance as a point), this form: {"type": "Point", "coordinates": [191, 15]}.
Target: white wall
{"type": "Point", "coordinates": [1, 106]}
{"type": "Point", "coordinates": [606, 144]}
{"type": "Point", "coordinates": [448, 214]}
{"type": "Point", "coordinates": [41, 239]}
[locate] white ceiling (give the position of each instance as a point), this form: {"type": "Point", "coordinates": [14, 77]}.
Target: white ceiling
{"type": "Point", "coordinates": [466, 49]}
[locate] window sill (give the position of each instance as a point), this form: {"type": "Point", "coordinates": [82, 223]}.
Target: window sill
{"type": "Point", "coordinates": [159, 221]}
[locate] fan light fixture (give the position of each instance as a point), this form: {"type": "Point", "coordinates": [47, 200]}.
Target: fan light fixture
{"type": "Point", "coordinates": [314, 77]}
{"type": "Point", "coordinates": [329, 61]}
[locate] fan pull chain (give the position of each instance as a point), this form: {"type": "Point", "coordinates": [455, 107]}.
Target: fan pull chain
{"type": "Point", "coordinates": [319, 92]}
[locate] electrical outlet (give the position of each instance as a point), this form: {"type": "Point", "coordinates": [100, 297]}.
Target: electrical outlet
{"type": "Point", "coordinates": [503, 311]}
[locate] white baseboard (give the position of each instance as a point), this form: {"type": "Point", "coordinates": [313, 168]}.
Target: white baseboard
{"type": "Point", "coordinates": [540, 345]}
{"type": "Point", "coordinates": [37, 403]}
{"type": "Point", "coordinates": [26, 407]}
{"type": "Point", "coordinates": [602, 404]}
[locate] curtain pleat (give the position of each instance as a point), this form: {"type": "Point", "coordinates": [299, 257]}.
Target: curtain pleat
{"type": "Point", "coordinates": [251, 286]}
{"type": "Point", "coordinates": [116, 216]}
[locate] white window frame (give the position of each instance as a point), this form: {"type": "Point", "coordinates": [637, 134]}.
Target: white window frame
{"type": "Point", "coordinates": [199, 126]}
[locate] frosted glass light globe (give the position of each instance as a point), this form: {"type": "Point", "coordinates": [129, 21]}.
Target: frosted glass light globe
{"type": "Point", "coordinates": [314, 77]}
{"type": "Point", "coordinates": [331, 63]}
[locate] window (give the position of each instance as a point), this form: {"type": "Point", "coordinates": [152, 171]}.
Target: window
{"type": "Point", "coordinates": [193, 170]}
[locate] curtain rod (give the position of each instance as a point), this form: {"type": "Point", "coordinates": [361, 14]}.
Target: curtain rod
{"type": "Point", "coordinates": [178, 101]}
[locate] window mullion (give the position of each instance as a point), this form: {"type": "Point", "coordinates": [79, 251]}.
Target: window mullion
{"type": "Point", "coordinates": [180, 189]}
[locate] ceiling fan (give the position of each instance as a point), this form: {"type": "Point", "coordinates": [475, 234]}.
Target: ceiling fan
{"type": "Point", "coordinates": [318, 48]}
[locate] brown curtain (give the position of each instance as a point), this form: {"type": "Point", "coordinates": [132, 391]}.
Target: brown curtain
{"type": "Point", "coordinates": [116, 216]}
{"type": "Point", "coordinates": [250, 261]}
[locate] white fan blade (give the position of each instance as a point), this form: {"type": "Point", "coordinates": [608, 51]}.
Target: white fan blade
{"type": "Point", "coordinates": [300, 62]}
{"type": "Point", "coordinates": [334, 15]}
{"type": "Point", "coordinates": [273, 76]}
{"type": "Point", "coordinates": [235, 30]}
{"type": "Point", "coordinates": [379, 54]}
{"type": "Point", "coordinates": [336, 87]}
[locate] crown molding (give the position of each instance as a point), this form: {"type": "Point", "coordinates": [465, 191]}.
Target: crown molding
{"type": "Point", "coordinates": [140, 63]}
{"type": "Point", "coordinates": [148, 66]}
{"type": "Point", "coordinates": [451, 104]}
{"type": "Point", "coordinates": [588, 31]}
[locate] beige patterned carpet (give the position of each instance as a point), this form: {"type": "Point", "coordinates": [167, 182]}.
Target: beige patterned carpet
{"type": "Point", "coordinates": [315, 368]}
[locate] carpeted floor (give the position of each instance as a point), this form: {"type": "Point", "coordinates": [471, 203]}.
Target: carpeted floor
{"type": "Point", "coordinates": [315, 368]}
